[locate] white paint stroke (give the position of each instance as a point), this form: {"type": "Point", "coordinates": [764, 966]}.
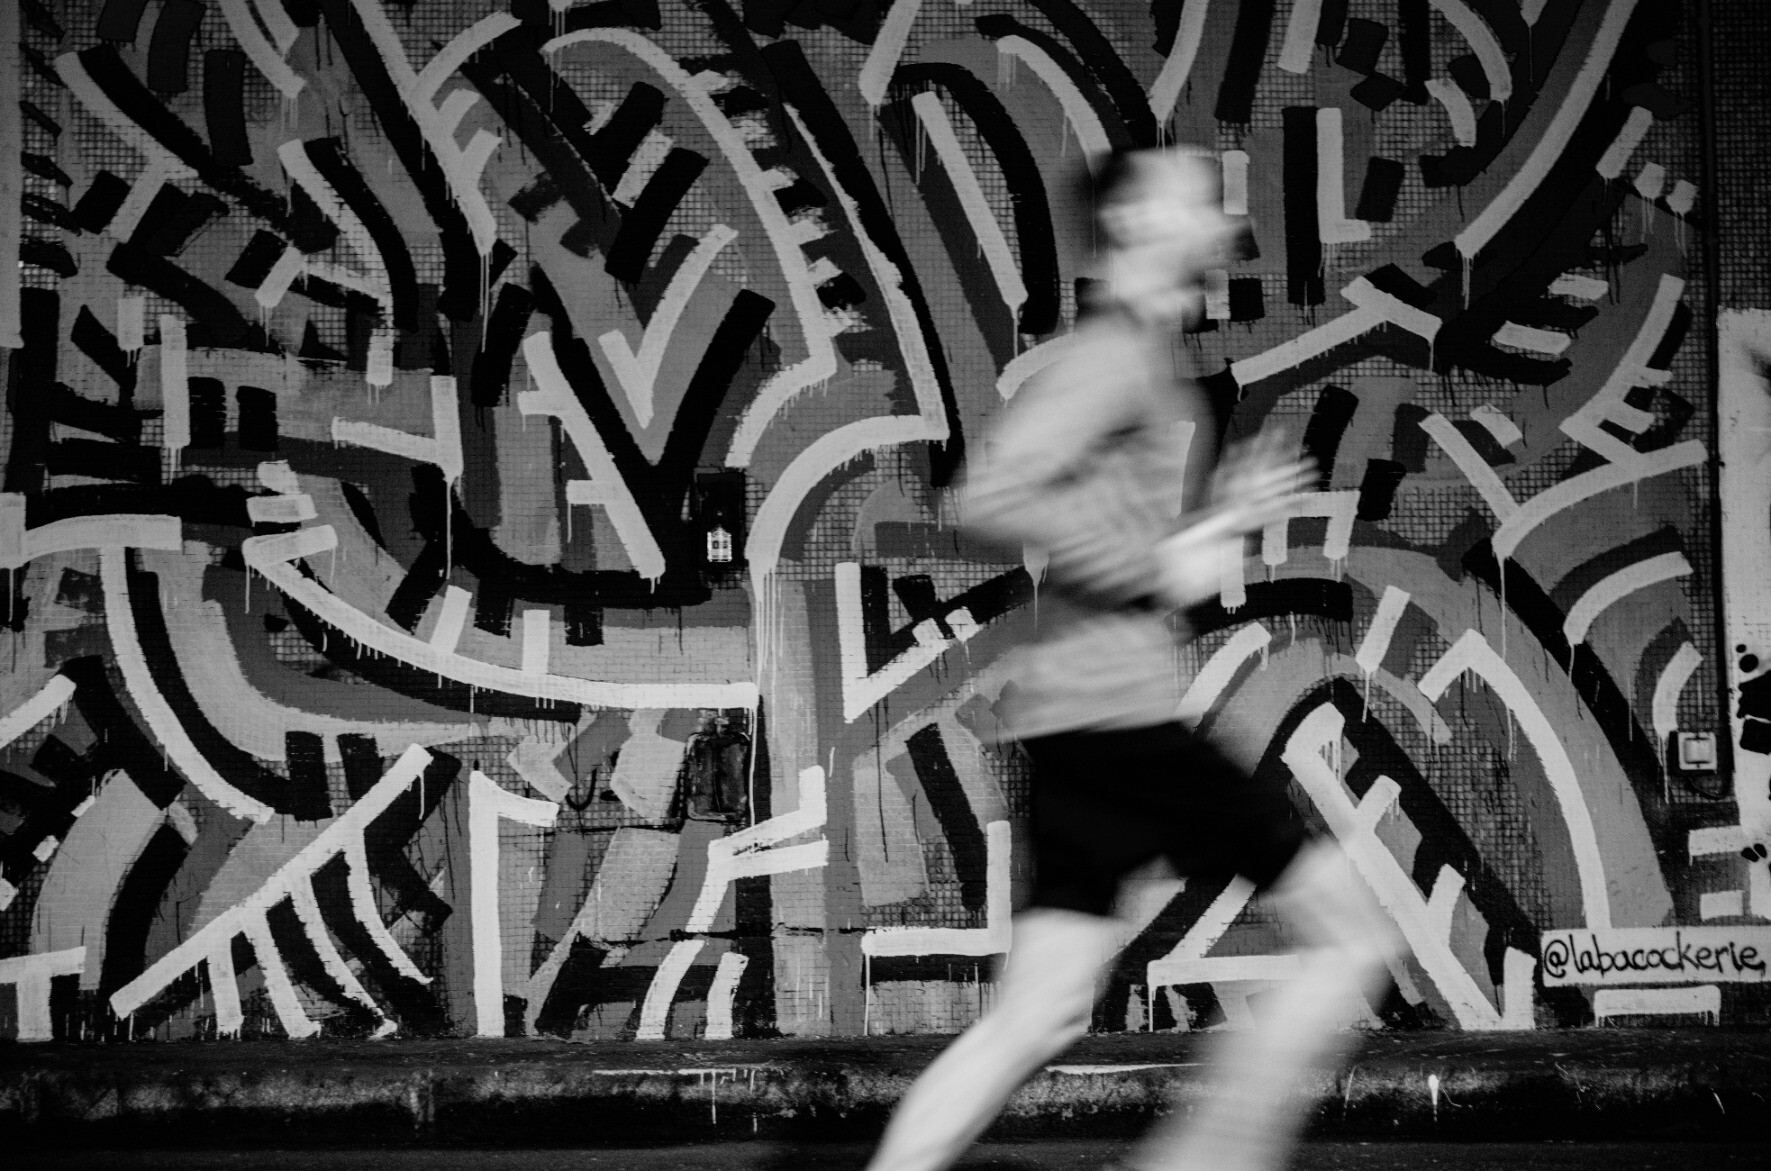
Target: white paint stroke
{"type": "Point", "coordinates": [1000, 258]}
{"type": "Point", "coordinates": [1300, 36]}
{"type": "Point", "coordinates": [1458, 110]}
{"type": "Point", "coordinates": [875, 76]}
{"type": "Point", "coordinates": [1333, 226]}
{"type": "Point", "coordinates": [1084, 122]}
{"type": "Point", "coordinates": [461, 166]}
{"type": "Point", "coordinates": [270, 556]}
{"type": "Point", "coordinates": [1650, 181]}
{"type": "Point", "coordinates": [1584, 288]}
{"type": "Point", "coordinates": [722, 994]}
{"type": "Point", "coordinates": [213, 942]}
{"type": "Point", "coordinates": [300, 167]}
{"type": "Point", "coordinates": [1526, 337]}
{"type": "Point", "coordinates": [75, 902]}
{"type": "Point", "coordinates": [451, 619]}
{"type": "Point", "coordinates": [1165, 91]}
{"type": "Point", "coordinates": [1472, 653]}
{"type": "Point", "coordinates": [1696, 1000]}
{"type": "Point", "coordinates": [275, 286]}
{"type": "Point", "coordinates": [861, 688]}
{"type": "Point", "coordinates": [537, 626]}
{"type": "Point", "coordinates": [132, 322]}
{"type": "Point", "coordinates": [1208, 685]}
{"type": "Point", "coordinates": [661, 992]}
{"type": "Point", "coordinates": [1681, 198]}
{"type": "Point", "coordinates": [1337, 331]}
{"type": "Point", "coordinates": [1556, 135]}
{"type": "Point", "coordinates": [162, 721]}
{"type": "Point", "coordinates": [266, 57]}
{"type": "Point", "coordinates": [1743, 447]}
{"type": "Point", "coordinates": [1617, 155]}
{"type": "Point", "coordinates": [175, 385]}
{"type": "Point", "coordinates": [313, 925]}
{"type": "Point", "coordinates": [994, 938]}
{"type": "Point", "coordinates": [1616, 586]}
{"type": "Point", "coordinates": [637, 371]}
{"type": "Point", "coordinates": [1483, 43]}
{"type": "Point", "coordinates": [1721, 904]}
{"type": "Point", "coordinates": [753, 852]}
{"type": "Point", "coordinates": [1568, 493]}
{"type": "Point", "coordinates": [30, 977]}
{"type": "Point", "coordinates": [12, 176]}
{"type": "Point", "coordinates": [1339, 508]}
{"type": "Point", "coordinates": [1715, 839]}
{"type": "Point", "coordinates": [1482, 478]}
{"type": "Point", "coordinates": [642, 164]}
{"type": "Point", "coordinates": [1632, 370]}
{"type": "Point", "coordinates": [280, 510]}
{"type": "Point", "coordinates": [819, 364]}
{"type": "Point", "coordinates": [1029, 362]}
{"type": "Point", "coordinates": [1505, 431]}
{"type": "Point", "coordinates": [441, 447]}
{"type": "Point", "coordinates": [50, 699]}
{"type": "Point", "coordinates": [154, 174]}
{"type": "Point", "coordinates": [276, 20]}
{"type": "Point", "coordinates": [532, 760]}
{"type": "Point", "coordinates": [1376, 643]}
{"type": "Point", "coordinates": [1235, 181]}
{"type": "Point", "coordinates": [1426, 923]}
{"type": "Point", "coordinates": [1188, 954]}
{"type": "Point", "coordinates": [1667, 690]}
{"type": "Point", "coordinates": [487, 805]}
{"type": "Point", "coordinates": [606, 487]}
{"type": "Point", "coordinates": [1392, 308]}
{"type": "Point", "coordinates": [284, 999]}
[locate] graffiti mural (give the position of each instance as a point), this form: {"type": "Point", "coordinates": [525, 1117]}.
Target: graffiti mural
{"type": "Point", "coordinates": [478, 535]}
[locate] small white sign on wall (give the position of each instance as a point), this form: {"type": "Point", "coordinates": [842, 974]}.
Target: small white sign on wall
{"type": "Point", "coordinates": [1657, 955]}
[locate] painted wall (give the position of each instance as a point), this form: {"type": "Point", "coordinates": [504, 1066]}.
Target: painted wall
{"type": "Point", "coordinates": [478, 538]}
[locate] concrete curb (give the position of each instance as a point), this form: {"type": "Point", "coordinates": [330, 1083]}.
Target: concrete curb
{"type": "Point", "coordinates": [1612, 1084]}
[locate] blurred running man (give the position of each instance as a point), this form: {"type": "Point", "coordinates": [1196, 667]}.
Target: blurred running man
{"type": "Point", "coordinates": [1089, 469]}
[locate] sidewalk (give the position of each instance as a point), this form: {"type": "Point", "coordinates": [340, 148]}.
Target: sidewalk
{"type": "Point", "coordinates": [1579, 1084]}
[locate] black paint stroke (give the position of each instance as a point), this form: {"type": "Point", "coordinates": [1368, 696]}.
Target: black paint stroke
{"type": "Point", "coordinates": [644, 222]}
{"type": "Point", "coordinates": [1303, 232]}
{"type": "Point", "coordinates": [305, 755]}
{"type": "Point", "coordinates": [504, 334]}
{"type": "Point", "coordinates": [119, 19]}
{"type": "Point", "coordinates": [216, 322]}
{"type": "Point", "coordinates": [224, 106]}
{"type": "Point", "coordinates": [1103, 59]}
{"type": "Point", "coordinates": [1287, 597]}
{"type": "Point", "coordinates": [1414, 39]}
{"type": "Point", "coordinates": [461, 285]}
{"type": "Point", "coordinates": [1363, 46]}
{"type": "Point", "coordinates": [33, 365]}
{"type": "Point", "coordinates": [1377, 195]}
{"type": "Point", "coordinates": [1119, 136]}
{"type": "Point", "coordinates": [800, 86]}
{"type": "Point", "coordinates": [953, 810]}
{"type": "Point", "coordinates": [332, 159]}
{"type": "Point", "coordinates": [169, 49]}
{"type": "Point", "coordinates": [237, 766]}
{"type": "Point", "coordinates": [1242, 66]}
{"type": "Point", "coordinates": [1328, 422]}
{"type": "Point", "coordinates": [136, 907]}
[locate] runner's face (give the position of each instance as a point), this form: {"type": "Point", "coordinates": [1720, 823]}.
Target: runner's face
{"type": "Point", "coordinates": [1171, 218]}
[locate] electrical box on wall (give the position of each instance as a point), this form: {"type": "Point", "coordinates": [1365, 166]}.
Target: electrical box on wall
{"type": "Point", "coordinates": [1695, 751]}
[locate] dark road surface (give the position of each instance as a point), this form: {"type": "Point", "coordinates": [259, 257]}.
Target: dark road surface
{"type": "Point", "coordinates": [1048, 1156]}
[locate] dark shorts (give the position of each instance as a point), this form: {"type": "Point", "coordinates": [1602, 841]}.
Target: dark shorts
{"type": "Point", "coordinates": [1108, 800]}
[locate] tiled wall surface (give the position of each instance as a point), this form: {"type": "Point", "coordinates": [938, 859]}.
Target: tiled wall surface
{"type": "Point", "coordinates": [478, 538]}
